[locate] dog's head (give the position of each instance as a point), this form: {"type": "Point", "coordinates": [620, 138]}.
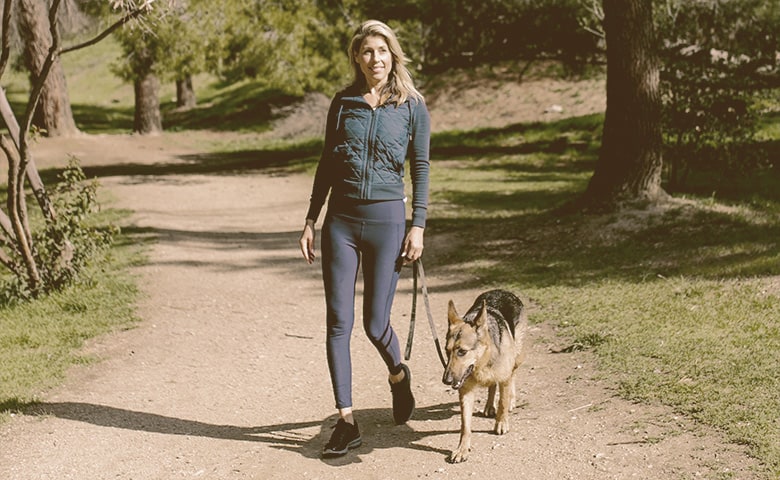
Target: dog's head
{"type": "Point", "coordinates": [465, 346]}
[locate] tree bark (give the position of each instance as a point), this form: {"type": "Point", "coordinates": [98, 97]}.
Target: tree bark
{"type": "Point", "coordinates": [630, 161]}
{"type": "Point", "coordinates": [148, 120]}
{"type": "Point", "coordinates": [53, 115]}
{"type": "Point", "coordinates": [185, 93]}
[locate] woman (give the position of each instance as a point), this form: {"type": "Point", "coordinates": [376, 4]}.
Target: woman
{"type": "Point", "coordinates": [371, 126]}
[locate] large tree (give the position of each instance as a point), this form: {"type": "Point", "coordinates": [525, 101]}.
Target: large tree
{"type": "Point", "coordinates": [143, 48]}
{"type": "Point", "coordinates": [53, 115]}
{"type": "Point", "coordinates": [146, 84]}
{"type": "Point", "coordinates": [630, 161]}
{"type": "Point", "coordinates": [171, 46]}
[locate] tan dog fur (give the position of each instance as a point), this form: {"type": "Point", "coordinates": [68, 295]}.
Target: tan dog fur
{"type": "Point", "coordinates": [476, 360]}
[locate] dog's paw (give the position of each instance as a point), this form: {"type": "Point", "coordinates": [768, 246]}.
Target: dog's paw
{"type": "Point", "coordinates": [459, 456]}
{"type": "Point", "coordinates": [490, 411]}
{"type": "Point", "coordinates": [502, 426]}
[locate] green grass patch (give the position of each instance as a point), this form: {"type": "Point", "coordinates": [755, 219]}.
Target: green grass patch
{"type": "Point", "coordinates": [708, 347]}
{"type": "Point", "coordinates": [40, 340]}
{"type": "Point", "coordinates": [680, 303]}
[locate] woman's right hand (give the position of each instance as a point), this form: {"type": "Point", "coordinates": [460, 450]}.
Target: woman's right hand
{"type": "Point", "coordinates": [307, 241]}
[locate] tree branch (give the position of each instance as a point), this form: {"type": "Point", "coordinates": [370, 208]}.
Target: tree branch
{"type": "Point", "coordinates": [7, 115]}
{"type": "Point", "coordinates": [17, 214]}
{"type": "Point", "coordinates": [108, 31]}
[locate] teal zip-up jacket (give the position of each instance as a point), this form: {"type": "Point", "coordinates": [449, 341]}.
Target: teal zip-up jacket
{"type": "Point", "coordinates": [365, 152]}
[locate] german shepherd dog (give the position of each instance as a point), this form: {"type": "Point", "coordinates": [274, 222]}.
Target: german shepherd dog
{"type": "Point", "coordinates": [484, 349]}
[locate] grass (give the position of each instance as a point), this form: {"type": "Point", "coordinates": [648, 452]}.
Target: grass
{"type": "Point", "coordinates": [680, 303]}
{"type": "Point", "coordinates": [40, 340]}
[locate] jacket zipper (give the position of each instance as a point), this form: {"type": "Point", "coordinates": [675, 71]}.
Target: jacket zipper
{"type": "Point", "coordinates": [369, 148]}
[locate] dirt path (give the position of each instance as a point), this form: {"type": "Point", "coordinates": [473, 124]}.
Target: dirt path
{"type": "Point", "coordinates": [225, 377]}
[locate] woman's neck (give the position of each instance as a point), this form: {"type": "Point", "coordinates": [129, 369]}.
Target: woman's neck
{"type": "Point", "coordinates": [375, 94]}
{"type": "Point", "coordinates": [376, 88]}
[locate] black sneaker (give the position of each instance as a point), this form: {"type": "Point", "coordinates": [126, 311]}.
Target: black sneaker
{"type": "Point", "coordinates": [344, 437]}
{"type": "Point", "coordinates": [403, 400]}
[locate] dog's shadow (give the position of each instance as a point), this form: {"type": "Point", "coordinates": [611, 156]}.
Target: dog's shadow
{"type": "Point", "coordinates": [376, 427]}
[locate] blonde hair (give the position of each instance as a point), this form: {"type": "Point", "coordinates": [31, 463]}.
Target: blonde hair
{"type": "Point", "coordinates": [399, 85]}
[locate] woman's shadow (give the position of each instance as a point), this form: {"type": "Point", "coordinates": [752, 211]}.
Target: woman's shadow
{"type": "Point", "coordinates": [376, 427]}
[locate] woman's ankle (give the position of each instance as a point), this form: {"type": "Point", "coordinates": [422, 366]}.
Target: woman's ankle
{"type": "Point", "coordinates": [346, 415]}
{"type": "Point", "coordinates": [398, 377]}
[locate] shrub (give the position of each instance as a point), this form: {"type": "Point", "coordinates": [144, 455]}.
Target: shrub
{"type": "Point", "coordinates": [65, 247]}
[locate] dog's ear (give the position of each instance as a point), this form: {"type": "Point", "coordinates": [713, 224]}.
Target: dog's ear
{"type": "Point", "coordinates": [452, 314]}
{"type": "Point", "coordinates": [481, 321]}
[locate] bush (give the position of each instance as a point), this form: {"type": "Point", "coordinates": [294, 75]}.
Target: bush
{"type": "Point", "coordinates": [709, 128]}
{"type": "Point", "coordinates": [64, 248]}
{"type": "Point", "coordinates": [717, 62]}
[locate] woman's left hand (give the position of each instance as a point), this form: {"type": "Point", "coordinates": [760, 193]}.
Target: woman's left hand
{"type": "Point", "coordinates": [413, 245]}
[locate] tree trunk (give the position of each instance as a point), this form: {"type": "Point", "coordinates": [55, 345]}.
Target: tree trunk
{"type": "Point", "coordinates": [630, 160]}
{"type": "Point", "coordinates": [148, 120]}
{"type": "Point", "coordinates": [53, 115]}
{"type": "Point", "coordinates": [185, 93]}
{"type": "Point", "coordinates": [17, 209]}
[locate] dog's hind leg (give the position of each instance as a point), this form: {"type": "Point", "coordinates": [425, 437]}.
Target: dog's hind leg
{"type": "Point", "coordinates": [461, 453]}
{"type": "Point", "coordinates": [490, 405]}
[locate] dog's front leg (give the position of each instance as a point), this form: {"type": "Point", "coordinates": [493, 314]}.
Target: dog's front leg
{"type": "Point", "coordinates": [505, 400]}
{"type": "Point", "coordinates": [466, 410]}
{"type": "Point", "coordinates": [512, 392]}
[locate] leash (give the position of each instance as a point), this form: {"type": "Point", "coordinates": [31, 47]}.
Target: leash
{"type": "Point", "coordinates": [419, 271]}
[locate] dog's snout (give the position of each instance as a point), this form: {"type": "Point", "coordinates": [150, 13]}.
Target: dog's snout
{"type": "Point", "coordinates": [447, 378]}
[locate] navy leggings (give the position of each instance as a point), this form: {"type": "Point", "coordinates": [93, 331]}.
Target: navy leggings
{"type": "Point", "coordinates": [368, 234]}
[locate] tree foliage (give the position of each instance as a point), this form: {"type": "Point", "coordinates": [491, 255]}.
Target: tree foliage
{"type": "Point", "coordinates": [445, 34]}
{"type": "Point", "coordinates": [299, 46]}
{"type": "Point", "coordinates": [294, 45]}
{"type": "Point", "coordinates": [717, 56]}
{"type": "Point", "coordinates": [720, 68]}
{"type": "Point", "coordinates": [720, 60]}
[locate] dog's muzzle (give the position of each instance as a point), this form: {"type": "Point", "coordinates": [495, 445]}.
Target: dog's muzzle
{"type": "Point", "coordinates": [456, 384]}
{"type": "Point", "coordinates": [447, 378]}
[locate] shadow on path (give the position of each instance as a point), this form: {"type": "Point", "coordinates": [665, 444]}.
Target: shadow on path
{"type": "Point", "coordinates": [375, 426]}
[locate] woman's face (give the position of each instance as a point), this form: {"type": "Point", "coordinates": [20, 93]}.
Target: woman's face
{"type": "Point", "coordinates": [375, 60]}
